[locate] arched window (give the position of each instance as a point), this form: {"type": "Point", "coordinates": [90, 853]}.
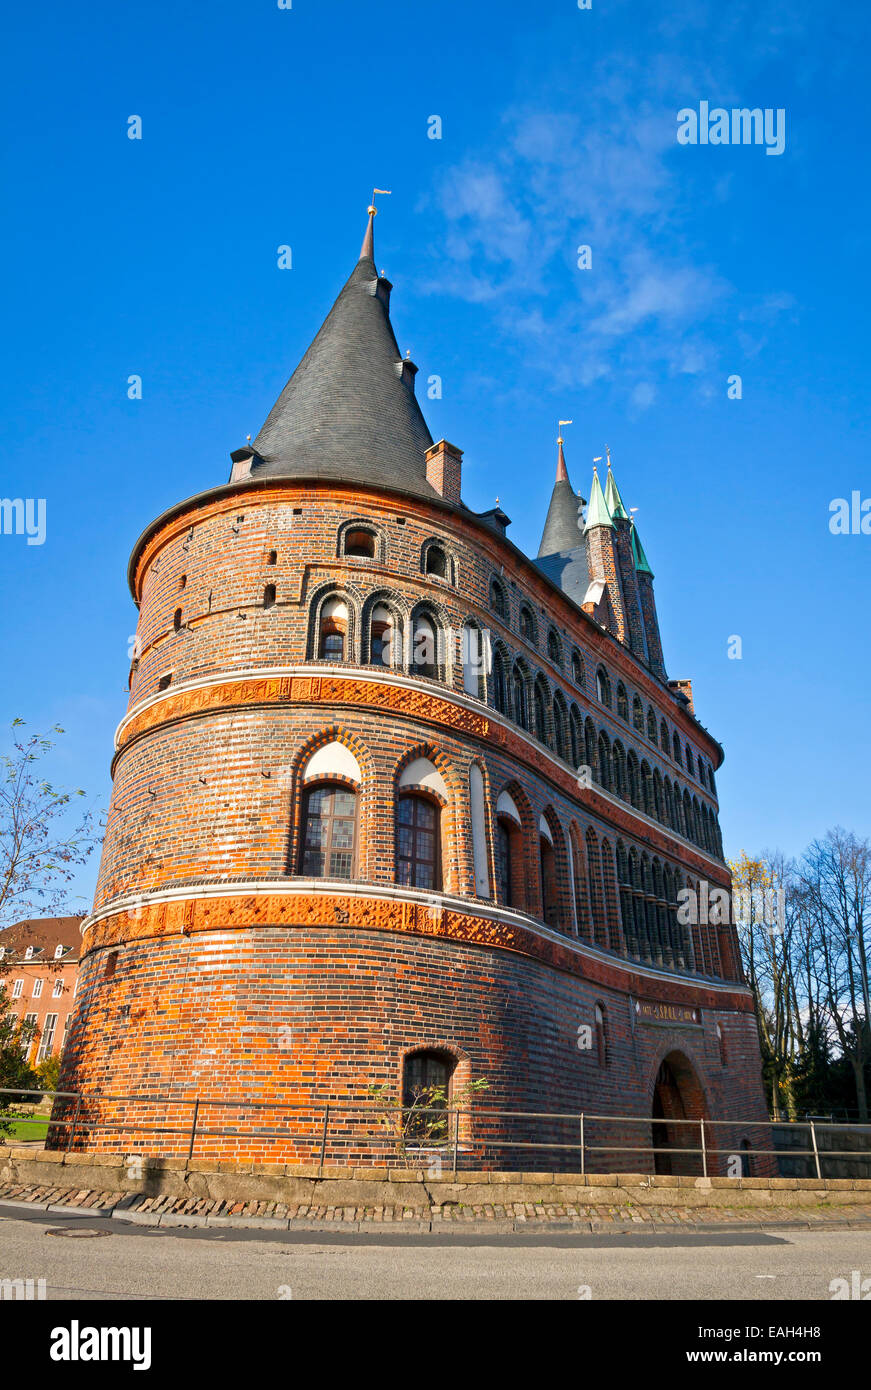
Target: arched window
{"type": "Point", "coordinates": [560, 735]}
{"type": "Point", "coordinates": [637, 715]}
{"type": "Point", "coordinates": [676, 749]}
{"type": "Point", "coordinates": [554, 648]}
{"type": "Point", "coordinates": [360, 543]}
{"type": "Point", "coordinates": [497, 599]}
{"type": "Point", "coordinates": [604, 761]}
{"type": "Point", "coordinates": [426, 1084]}
{"type": "Point", "coordinates": [690, 768]}
{"type": "Point", "coordinates": [577, 668]}
{"type": "Point", "coordinates": [576, 729]}
{"type": "Point", "coordinates": [176, 620]}
{"type": "Point", "coordinates": [500, 684]}
{"type": "Point", "coordinates": [269, 596]}
{"type": "Point", "coordinates": [590, 746]}
{"type": "Point", "coordinates": [539, 698]}
{"type": "Point", "coordinates": [633, 779]}
{"type": "Point", "coordinates": [518, 697]}
{"type": "Point", "coordinates": [618, 762]}
{"type": "Point", "coordinates": [622, 702]}
{"type": "Point", "coordinates": [664, 740]}
{"type": "Point", "coordinates": [527, 623]}
{"type": "Point", "coordinates": [647, 803]}
{"type": "Point", "coordinates": [509, 861]}
{"type": "Point", "coordinates": [385, 638]}
{"type": "Point", "coordinates": [601, 1035]}
{"type": "Point", "coordinates": [475, 654]}
{"type": "Point", "coordinates": [603, 686]}
{"type": "Point", "coordinates": [333, 630]}
{"type": "Point", "coordinates": [436, 562]}
{"type": "Point", "coordinates": [418, 850]}
{"type": "Point", "coordinates": [425, 647]}
{"type": "Point", "coordinates": [329, 832]}
{"type": "Point", "coordinates": [651, 726]}
{"type": "Point", "coordinates": [549, 896]}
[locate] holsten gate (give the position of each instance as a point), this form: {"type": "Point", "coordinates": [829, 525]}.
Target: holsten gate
{"type": "Point", "coordinates": [342, 852]}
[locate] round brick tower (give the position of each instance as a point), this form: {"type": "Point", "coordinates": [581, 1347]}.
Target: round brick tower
{"type": "Point", "coordinates": [396, 805]}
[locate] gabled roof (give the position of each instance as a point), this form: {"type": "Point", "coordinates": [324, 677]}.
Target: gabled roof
{"type": "Point", "coordinates": [349, 411]}
{"type": "Point", "coordinates": [43, 934]}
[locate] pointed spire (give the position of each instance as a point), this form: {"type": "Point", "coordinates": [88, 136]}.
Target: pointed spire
{"type": "Point", "coordinates": [562, 527]}
{"type": "Point", "coordinates": [598, 513]}
{"type": "Point", "coordinates": [638, 555]}
{"type": "Point", "coordinates": [612, 495]}
{"type": "Point", "coordinates": [367, 250]}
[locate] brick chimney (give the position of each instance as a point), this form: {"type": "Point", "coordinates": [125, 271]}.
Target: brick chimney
{"type": "Point", "coordinates": [443, 469]}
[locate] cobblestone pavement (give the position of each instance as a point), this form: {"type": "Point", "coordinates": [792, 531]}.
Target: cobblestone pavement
{"type": "Point", "coordinates": [140, 1209]}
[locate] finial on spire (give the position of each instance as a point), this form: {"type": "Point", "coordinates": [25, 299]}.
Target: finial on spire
{"type": "Point", "coordinates": [367, 251]}
{"type": "Point", "coordinates": [608, 453]}
{"type": "Point", "coordinates": [562, 474]}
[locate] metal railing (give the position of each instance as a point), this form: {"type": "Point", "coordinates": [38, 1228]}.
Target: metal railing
{"type": "Point", "coordinates": [371, 1133]}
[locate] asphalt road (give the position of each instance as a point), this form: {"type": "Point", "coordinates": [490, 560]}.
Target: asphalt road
{"type": "Point", "coordinates": [150, 1262]}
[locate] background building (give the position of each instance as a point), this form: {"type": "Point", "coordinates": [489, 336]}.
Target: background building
{"type": "Point", "coordinates": [39, 961]}
{"type": "Point", "coordinates": [344, 850]}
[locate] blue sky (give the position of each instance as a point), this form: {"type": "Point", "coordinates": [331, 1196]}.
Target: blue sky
{"type": "Point", "coordinates": [264, 127]}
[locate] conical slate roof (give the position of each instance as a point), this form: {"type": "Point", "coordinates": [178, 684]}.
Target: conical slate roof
{"type": "Point", "coordinates": [349, 411]}
{"type": "Point", "coordinates": [613, 498]}
{"type": "Point", "coordinates": [598, 513]}
{"type": "Point", "coordinates": [561, 529]}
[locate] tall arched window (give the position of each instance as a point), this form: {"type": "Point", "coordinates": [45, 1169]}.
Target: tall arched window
{"type": "Point", "coordinates": [527, 623]}
{"type": "Point", "coordinates": [518, 697]}
{"type": "Point", "coordinates": [577, 668]}
{"type": "Point", "coordinates": [500, 686]}
{"type": "Point", "coordinates": [560, 719]}
{"type": "Point", "coordinates": [651, 726]}
{"type": "Point", "coordinates": [549, 895]}
{"type": "Point", "coordinates": [333, 630]}
{"type": "Point", "coordinates": [425, 647]}
{"type": "Point", "coordinates": [622, 702]}
{"type": "Point", "coordinates": [497, 599]}
{"type": "Point", "coordinates": [418, 849]}
{"type": "Point", "coordinates": [554, 648]}
{"type": "Point", "coordinates": [385, 640]}
{"type": "Point", "coordinates": [329, 832]}
{"type": "Point", "coordinates": [509, 862]}
{"type": "Point", "coordinates": [637, 715]}
{"type": "Point", "coordinates": [601, 1035]}
{"type": "Point", "coordinates": [475, 656]}
{"type": "Point", "coordinates": [603, 686]}
{"type": "Point", "coordinates": [539, 697]}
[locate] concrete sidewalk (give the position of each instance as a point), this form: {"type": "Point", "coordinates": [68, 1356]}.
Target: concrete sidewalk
{"type": "Point", "coordinates": [167, 1211]}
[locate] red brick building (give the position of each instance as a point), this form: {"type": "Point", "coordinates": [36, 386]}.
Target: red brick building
{"type": "Point", "coordinates": [346, 849]}
{"type": "Point", "coordinates": [39, 961]}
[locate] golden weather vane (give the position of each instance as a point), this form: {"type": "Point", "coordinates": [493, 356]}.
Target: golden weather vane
{"type": "Point", "coordinates": [559, 437]}
{"type": "Point", "coordinates": [384, 193]}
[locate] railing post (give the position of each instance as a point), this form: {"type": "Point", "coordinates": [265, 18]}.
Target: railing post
{"type": "Point", "coordinates": [456, 1139]}
{"type": "Point", "coordinates": [324, 1141]}
{"type": "Point", "coordinates": [704, 1150]}
{"type": "Point", "coordinates": [193, 1128]}
{"type": "Point", "coordinates": [816, 1150]}
{"type": "Point", "coordinates": [583, 1149]}
{"type": "Point", "coordinates": [75, 1119]}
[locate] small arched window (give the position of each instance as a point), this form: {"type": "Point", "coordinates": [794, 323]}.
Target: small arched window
{"type": "Point", "coordinates": [182, 583]}
{"type": "Point", "coordinates": [651, 726]}
{"type": "Point", "coordinates": [333, 630]}
{"type": "Point", "coordinates": [664, 740]}
{"type": "Point", "coordinates": [497, 599]}
{"type": "Point", "coordinates": [437, 562]}
{"type": "Point", "coordinates": [690, 768]}
{"type": "Point", "coordinates": [554, 648]}
{"type": "Point", "coordinates": [269, 596]}
{"type": "Point", "coordinates": [603, 687]}
{"type": "Point", "coordinates": [272, 558]}
{"type": "Point", "coordinates": [329, 832]}
{"type": "Point", "coordinates": [527, 623]}
{"type": "Point", "coordinates": [418, 849]}
{"type": "Point", "coordinates": [360, 543]}
{"type": "Point", "coordinates": [539, 698]}
{"type": "Point", "coordinates": [518, 697]}
{"type": "Point", "coordinates": [577, 668]}
{"type": "Point", "coordinates": [676, 749]}
{"type": "Point", "coordinates": [176, 620]}
{"type": "Point", "coordinates": [601, 1029]}
{"type": "Point", "coordinates": [622, 702]}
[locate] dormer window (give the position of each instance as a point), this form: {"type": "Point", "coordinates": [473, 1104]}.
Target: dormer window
{"type": "Point", "coordinates": [28, 954]}
{"type": "Point", "coordinates": [58, 952]}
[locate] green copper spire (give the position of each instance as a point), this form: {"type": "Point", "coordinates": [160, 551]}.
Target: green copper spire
{"type": "Point", "coordinates": [638, 554]}
{"type": "Point", "coordinates": [597, 512]}
{"type": "Point", "coordinates": [613, 500]}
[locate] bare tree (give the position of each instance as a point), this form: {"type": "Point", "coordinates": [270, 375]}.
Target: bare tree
{"type": "Point", "coordinates": [41, 842]}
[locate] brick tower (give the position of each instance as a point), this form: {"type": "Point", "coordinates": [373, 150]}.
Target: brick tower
{"type": "Point", "coordinates": [348, 842]}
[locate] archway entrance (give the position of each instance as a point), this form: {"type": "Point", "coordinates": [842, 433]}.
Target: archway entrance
{"type": "Point", "coordinates": [677, 1095]}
